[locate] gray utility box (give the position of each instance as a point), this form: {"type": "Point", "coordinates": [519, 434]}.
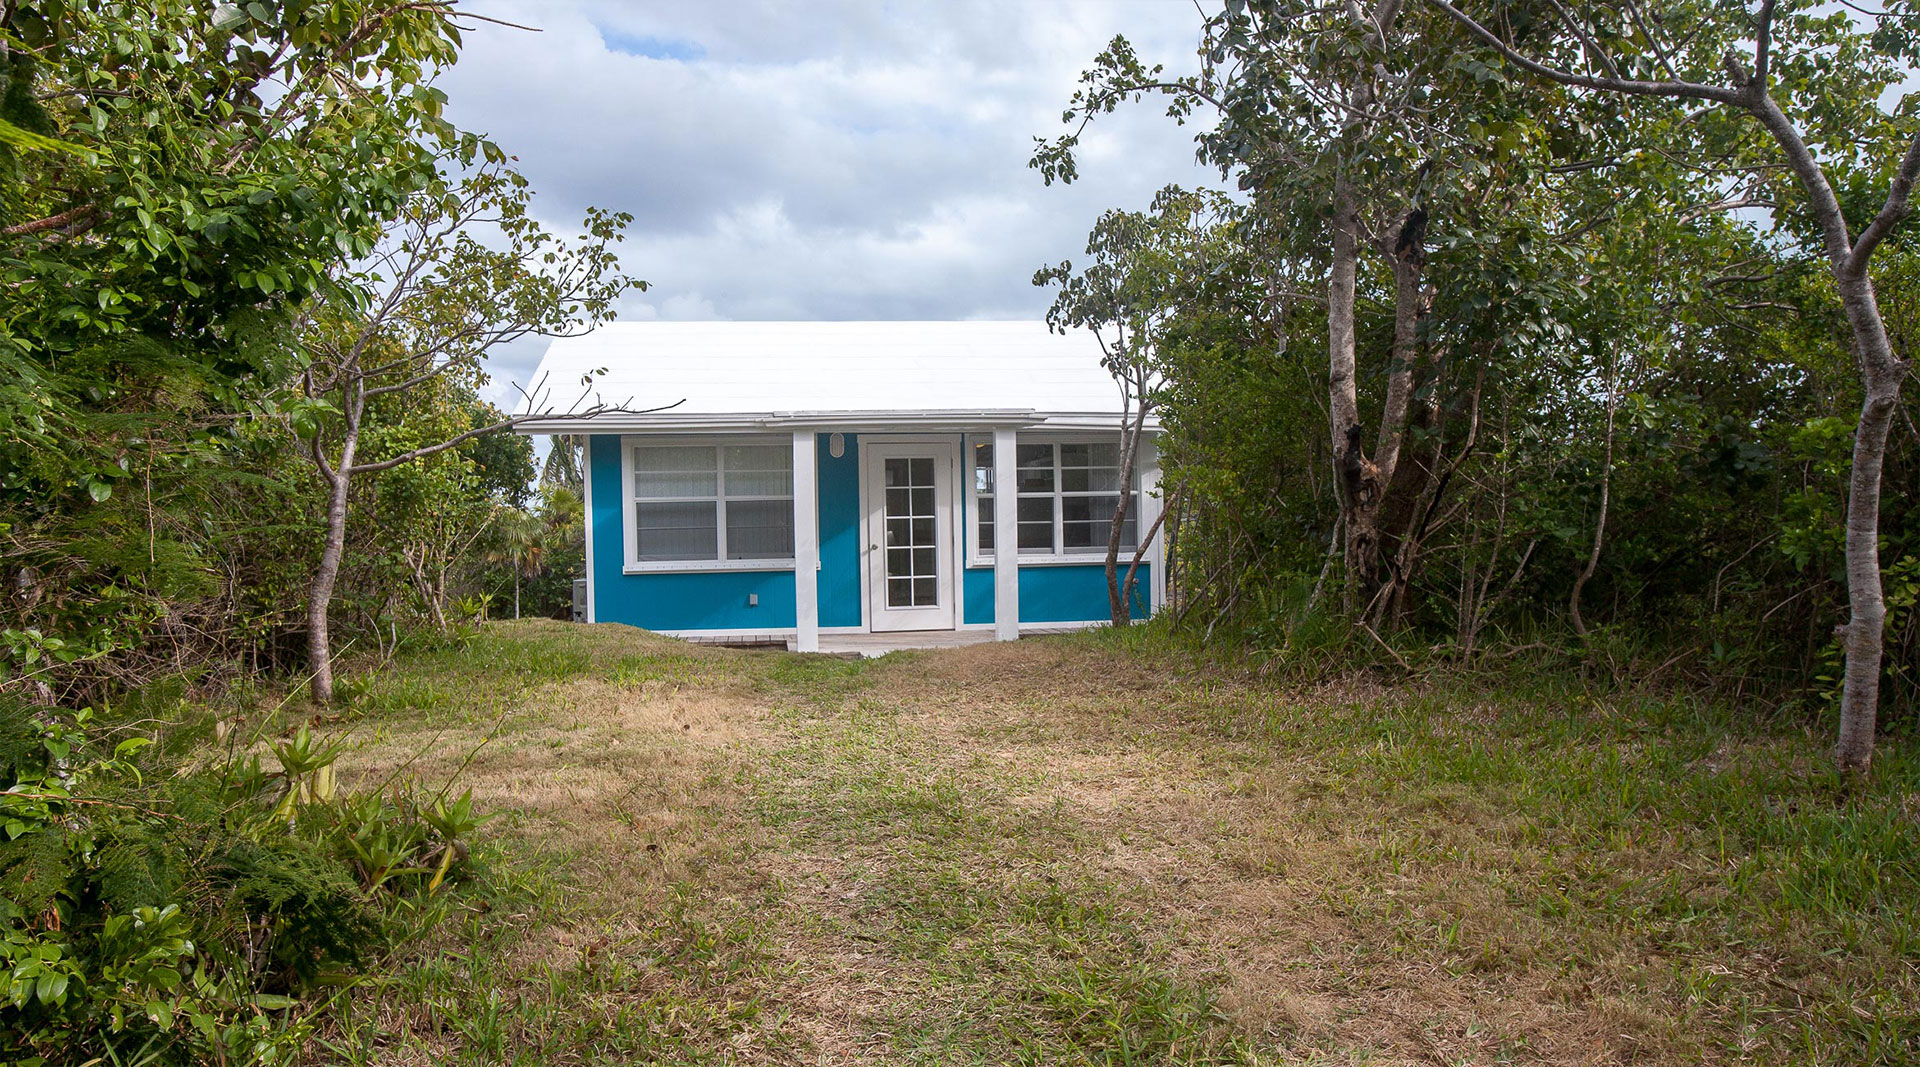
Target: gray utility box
{"type": "Point", "coordinates": [579, 600]}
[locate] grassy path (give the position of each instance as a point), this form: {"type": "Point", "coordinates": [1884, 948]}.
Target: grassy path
{"type": "Point", "coordinates": [1067, 851]}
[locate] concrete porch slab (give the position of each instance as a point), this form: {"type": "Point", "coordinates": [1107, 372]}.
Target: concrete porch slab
{"type": "Point", "coordinates": [871, 646]}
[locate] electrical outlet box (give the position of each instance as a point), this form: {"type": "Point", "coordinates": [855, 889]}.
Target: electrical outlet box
{"type": "Point", "coordinates": [753, 600]}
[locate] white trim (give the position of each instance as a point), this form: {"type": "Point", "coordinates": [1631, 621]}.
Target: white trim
{"type": "Point", "coordinates": [1036, 629]}
{"type": "Point", "coordinates": [957, 524]}
{"type": "Point", "coordinates": [586, 504]}
{"type": "Point", "coordinates": [1151, 505]}
{"type": "Point", "coordinates": [851, 421]}
{"type": "Point", "coordinates": [945, 613]}
{"type": "Point", "coordinates": [775, 633]}
{"type": "Point", "coordinates": [861, 441]}
{"type": "Point", "coordinates": [806, 542]}
{"type": "Point", "coordinates": [769, 632]}
{"type": "Point", "coordinates": [908, 438]}
{"type": "Point", "coordinates": [677, 566]}
{"type": "Point", "coordinates": [628, 501]}
{"type": "Point", "coordinates": [1076, 560]}
{"type": "Point", "coordinates": [1006, 565]}
{"type": "Point", "coordinates": [1061, 557]}
{"type": "Point", "coordinates": [1063, 627]}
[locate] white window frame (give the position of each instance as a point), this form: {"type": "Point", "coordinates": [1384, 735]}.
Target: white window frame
{"type": "Point", "coordinates": [630, 501]}
{"type": "Point", "coordinates": [977, 559]}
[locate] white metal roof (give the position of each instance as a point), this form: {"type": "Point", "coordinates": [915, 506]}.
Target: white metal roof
{"type": "Point", "coordinates": [851, 375]}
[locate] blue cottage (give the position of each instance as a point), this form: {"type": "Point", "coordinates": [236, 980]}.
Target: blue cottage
{"type": "Point", "coordinates": [815, 478]}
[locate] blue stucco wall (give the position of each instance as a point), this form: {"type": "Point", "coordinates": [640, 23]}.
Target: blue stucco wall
{"type": "Point", "coordinates": [839, 532]}
{"type": "Point", "coordinates": [978, 599]}
{"type": "Point", "coordinates": [1058, 592]}
{"type": "Point", "coordinates": [698, 600]}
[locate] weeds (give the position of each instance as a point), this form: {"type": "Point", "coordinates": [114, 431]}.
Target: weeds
{"type": "Point", "coordinates": [160, 912]}
{"type": "Point", "coordinates": [1105, 849]}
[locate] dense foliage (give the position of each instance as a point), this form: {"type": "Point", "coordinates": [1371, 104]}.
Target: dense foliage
{"type": "Point", "coordinates": [1600, 392]}
{"type": "Point", "coordinates": [163, 909]}
{"type": "Point", "coordinates": [194, 199]}
{"type": "Point", "coordinates": [187, 189]}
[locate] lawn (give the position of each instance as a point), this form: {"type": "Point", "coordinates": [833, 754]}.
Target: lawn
{"type": "Point", "coordinates": [1095, 849]}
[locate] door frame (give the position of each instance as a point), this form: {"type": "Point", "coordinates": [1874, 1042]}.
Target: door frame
{"type": "Point", "coordinates": [946, 450]}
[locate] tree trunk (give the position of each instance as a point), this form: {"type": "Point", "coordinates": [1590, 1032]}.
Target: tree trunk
{"type": "Point", "coordinates": [1142, 543]}
{"type": "Point", "coordinates": [1119, 608]}
{"type": "Point", "coordinates": [1600, 523]}
{"type": "Point", "coordinates": [1865, 631]}
{"type": "Point", "coordinates": [1881, 375]}
{"type": "Point", "coordinates": [1366, 481]}
{"type": "Point", "coordinates": [1343, 403]}
{"type": "Point", "coordinates": [320, 593]}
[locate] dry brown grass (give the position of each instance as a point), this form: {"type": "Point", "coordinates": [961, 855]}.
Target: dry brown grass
{"type": "Point", "coordinates": [894, 834]}
{"type": "Point", "coordinates": [1258, 882]}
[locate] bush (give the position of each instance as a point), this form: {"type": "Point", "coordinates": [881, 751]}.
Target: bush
{"type": "Point", "coordinates": [154, 910]}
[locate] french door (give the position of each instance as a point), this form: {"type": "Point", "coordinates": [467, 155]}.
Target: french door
{"type": "Point", "coordinates": [910, 557]}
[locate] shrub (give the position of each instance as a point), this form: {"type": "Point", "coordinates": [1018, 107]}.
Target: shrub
{"type": "Point", "coordinates": [155, 910]}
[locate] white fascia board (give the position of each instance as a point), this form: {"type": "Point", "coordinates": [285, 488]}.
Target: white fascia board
{"type": "Point", "coordinates": [848, 421]}
{"type": "Point", "coordinates": [1091, 421]}
{"type": "Point", "coordinates": [871, 420]}
{"type": "Point", "coordinates": [780, 420]}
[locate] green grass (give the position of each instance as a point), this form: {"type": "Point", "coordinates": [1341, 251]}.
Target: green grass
{"type": "Point", "coordinates": [1104, 849]}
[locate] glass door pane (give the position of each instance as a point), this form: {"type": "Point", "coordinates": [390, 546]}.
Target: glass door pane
{"type": "Point", "coordinates": [913, 560]}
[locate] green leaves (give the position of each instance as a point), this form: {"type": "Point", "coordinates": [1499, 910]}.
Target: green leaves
{"type": "Point", "coordinates": [16, 137]}
{"type": "Point", "coordinates": [166, 219]}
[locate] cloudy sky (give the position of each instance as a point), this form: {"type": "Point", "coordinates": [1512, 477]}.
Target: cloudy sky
{"type": "Point", "coordinates": [835, 159]}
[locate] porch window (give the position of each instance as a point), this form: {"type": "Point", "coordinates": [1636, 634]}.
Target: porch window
{"type": "Point", "coordinates": [1065, 495]}
{"type": "Point", "coordinates": [711, 503]}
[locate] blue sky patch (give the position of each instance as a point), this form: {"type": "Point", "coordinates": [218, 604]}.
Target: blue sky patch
{"type": "Point", "coordinates": [650, 46]}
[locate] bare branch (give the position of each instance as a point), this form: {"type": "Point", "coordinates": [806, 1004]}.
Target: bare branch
{"type": "Point", "coordinates": [319, 452]}
{"type": "Point", "coordinates": [1732, 203]}
{"type": "Point", "coordinates": [507, 423]}
{"type": "Point", "coordinates": [1587, 41]}
{"type": "Point", "coordinates": [1653, 42]}
{"type": "Point", "coordinates": [1682, 89]}
{"type": "Point", "coordinates": [1896, 208]}
{"type": "Point", "coordinates": [495, 21]}
{"type": "Point", "coordinates": [1763, 45]}
{"type": "Point", "coordinates": [84, 215]}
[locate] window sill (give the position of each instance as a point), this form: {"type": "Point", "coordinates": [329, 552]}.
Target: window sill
{"type": "Point", "coordinates": [695, 566]}
{"type": "Point", "coordinates": [1073, 560]}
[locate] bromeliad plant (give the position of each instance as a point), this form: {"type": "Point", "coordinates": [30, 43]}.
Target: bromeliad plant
{"type": "Point", "coordinates": [186, 913]}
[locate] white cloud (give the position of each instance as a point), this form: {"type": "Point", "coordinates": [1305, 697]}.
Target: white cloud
{"type": "Point", "coordinates": [830, 160]}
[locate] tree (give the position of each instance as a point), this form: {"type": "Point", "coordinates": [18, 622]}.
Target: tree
{"type": "Point", "coordinates": [193, 174]}
{"type": "Point", "coordinates": [431, 301]}
{"type": "Point", "coordinates": [1780, 59]}
{"type": "Point", "coordinates": [564, 466]}
{"type": "Point", "coordinates": [1138, 280]}
{"type": "Point", "coordinates": [1330, 118]}
{"type": "Point", "coordinates": [522, 547]}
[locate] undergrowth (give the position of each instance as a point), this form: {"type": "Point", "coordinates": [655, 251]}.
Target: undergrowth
{"type": "Point", "coordinates": [1712, 836]}
{"type": "Point", "coordinates": [173, 904]}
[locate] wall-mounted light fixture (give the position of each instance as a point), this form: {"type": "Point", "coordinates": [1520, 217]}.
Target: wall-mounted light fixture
{"type": "Point", "coordinates": [837, 445]}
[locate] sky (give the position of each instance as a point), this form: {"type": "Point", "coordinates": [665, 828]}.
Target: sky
{"type": "Point", "coordinates": [834, 159]}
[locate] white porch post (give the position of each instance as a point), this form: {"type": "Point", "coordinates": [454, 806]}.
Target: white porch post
{"type": "Point", "coordinates": [806, 543]}
{"type": "Point", "coordinates": [1006, 540]}
{"type": "Point", "coordinates": [1150, 506]}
